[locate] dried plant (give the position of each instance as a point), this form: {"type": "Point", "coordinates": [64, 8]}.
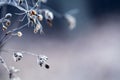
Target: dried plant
{"type": "Point", "coordinates": [34, 15]}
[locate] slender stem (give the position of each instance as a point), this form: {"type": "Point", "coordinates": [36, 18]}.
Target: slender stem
{"type": "Point", "coordinates": [4, 64]}
{"type": "Point", "coordinates": [26, 5]}
{"type": "Point", "coordinates": [6, 38]}
{"type": "Point", "coordinates": [24, 52]}
{"type": "Point", "coordinates": [6, 3]}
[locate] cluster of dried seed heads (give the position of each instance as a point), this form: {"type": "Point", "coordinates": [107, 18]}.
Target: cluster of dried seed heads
{"type": "Point", "coordinates": [34, 15]}
{"type": "Point", "coordinates": [5, 21]}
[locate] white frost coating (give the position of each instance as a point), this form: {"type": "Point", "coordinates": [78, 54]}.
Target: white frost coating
{"type": "Point", "coordinates": [49, 15]}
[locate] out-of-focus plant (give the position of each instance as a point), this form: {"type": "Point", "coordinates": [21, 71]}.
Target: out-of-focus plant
{"type": "Point", "coordinates": [34, 15]}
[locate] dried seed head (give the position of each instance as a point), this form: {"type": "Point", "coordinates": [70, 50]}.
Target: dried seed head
{"type": "Point", "coordinates": [7, 23]}
{"type": "Point", "coordinates": [19, 34]}
{"type": "Point", "coordinates": [35, 31]}
{"type": "Point", "coordinates": [49, 15]}
{"type": "Point", "coordinates": [71, 20]}
{"type": "Point", "coordinates": [37, 27]}
{"type": "Point", "coordinates": [40, 17]}
{"type": "Point", "coordinates": [42, 60]}
{"type": "Point", "coordinates": [33, 12]}
{"type": "Point", "coordinates": [17, 56]}
{"type": "Point", "coordinates": [8, 15]}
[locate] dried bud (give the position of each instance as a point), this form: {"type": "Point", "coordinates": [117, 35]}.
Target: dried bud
{"type": "Point", "coordinates": [19, 34]}
{"type": "Point", "coordinates": [17, 56]}
{"type": "Point", "coordinates": [37, 27]}
{"type": "Point", "coordinates": [7, 23]}
{"type": "Point", "coordinates": [35, 31]}
{"type": "Point", "coordinates": [8, 15]}
{"type": "Point", "coordinates": [49, 15]}
{"type": "Point", "coordinates": [15, 78]}
{"type": "Point", "coordinates": [40, 17]}
{"type": "Point", "coordinates": [33, 12]}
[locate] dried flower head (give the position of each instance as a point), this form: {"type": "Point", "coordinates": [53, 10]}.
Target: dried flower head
{"type": "Point", "coordinates": [41, 60]}
{"type": "Point", "coordinates": [7, 23]}
{"type": "Point", "coordinates": [17, 56]}
{"type": "Point", "coordinates": [49, 15]}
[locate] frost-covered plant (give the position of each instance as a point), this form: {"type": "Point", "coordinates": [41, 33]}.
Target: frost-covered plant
{"type": "Point", "coordinates": [34, 15]}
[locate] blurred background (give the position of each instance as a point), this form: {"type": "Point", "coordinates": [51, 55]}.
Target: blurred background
{"type": "Point", "coordinates": [89, 52]}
